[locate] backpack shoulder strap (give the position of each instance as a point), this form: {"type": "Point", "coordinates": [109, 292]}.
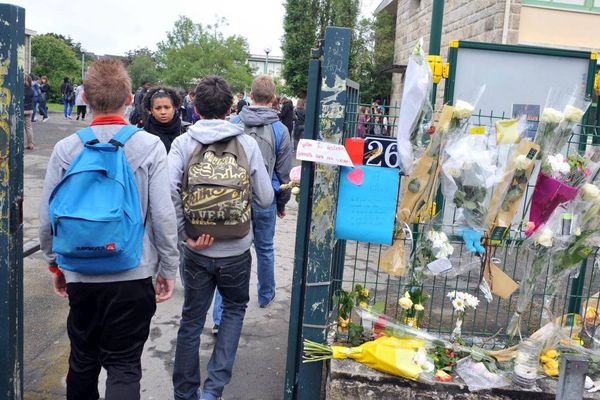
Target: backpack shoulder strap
{"type": "Point", "coordinates": [86, 135]}
{"type": "Point", "coordinates": [124, 134]}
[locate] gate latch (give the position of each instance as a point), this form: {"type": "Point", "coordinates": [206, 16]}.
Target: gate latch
{"type": "Point", "coordinates": [439, 69]}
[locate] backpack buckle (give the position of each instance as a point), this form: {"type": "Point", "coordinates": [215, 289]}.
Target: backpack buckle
{"type": "Point", "coordinates": [115, 143]}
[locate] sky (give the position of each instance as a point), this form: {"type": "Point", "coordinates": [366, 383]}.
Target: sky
{"type": "Point", "coordinates": [117, 26]}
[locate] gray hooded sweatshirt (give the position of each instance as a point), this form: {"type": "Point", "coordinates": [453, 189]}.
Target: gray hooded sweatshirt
{"type": "Point", "coordinates": [147, 158]}
{"type": "Point", "coordinates": [207, 132]}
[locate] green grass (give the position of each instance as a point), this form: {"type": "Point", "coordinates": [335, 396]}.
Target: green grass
{"type": "Point", "coordinates": [55, 107]}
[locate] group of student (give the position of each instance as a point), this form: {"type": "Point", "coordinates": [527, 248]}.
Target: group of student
{"type": "Point", "coordinates": [202, 197]}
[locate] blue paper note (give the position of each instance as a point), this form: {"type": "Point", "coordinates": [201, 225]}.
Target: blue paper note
{"type": "Point", "coordinates": [366, 213]}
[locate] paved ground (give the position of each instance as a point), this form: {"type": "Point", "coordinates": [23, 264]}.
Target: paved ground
{"type": "Point", "coordinates": [260, 366]}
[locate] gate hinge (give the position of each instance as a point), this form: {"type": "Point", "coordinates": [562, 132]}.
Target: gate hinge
{"type": "Point", "coordinates": [439, 69]}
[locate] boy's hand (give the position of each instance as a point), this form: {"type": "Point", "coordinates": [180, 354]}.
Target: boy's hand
{"type": "Point", "coordinates": [281, 214]}
{"type": "Point", "coordinates": [163, 289]}
{"type": "Point", "coordinates": [60, 285]}
{"type": "Point", "coordinates": [201, 243]}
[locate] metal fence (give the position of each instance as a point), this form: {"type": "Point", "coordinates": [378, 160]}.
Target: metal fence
{"type": "Point", "coordinates": [359, 263]}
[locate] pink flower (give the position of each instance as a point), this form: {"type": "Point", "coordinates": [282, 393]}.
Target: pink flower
{"type": "Point", "coordinates": [295, 174]}
{"type": "Point", "coordinates": [530, 228]}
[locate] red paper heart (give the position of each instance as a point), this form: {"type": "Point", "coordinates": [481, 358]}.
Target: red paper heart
{"type": "Point", "coordinates": [356, 176]}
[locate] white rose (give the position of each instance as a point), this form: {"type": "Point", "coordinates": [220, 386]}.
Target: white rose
{"type": "Point", "coordinates": [454, 172]}
{"type": "Point", "coordinates": [405, 303]}
{"type": "Point", "coordinates": [522, 162]}
{"type": "Point", "coordinates": [590, 192]}
{"type": "Point", "coordinates": [427, 366]}
{"type": "Point", "coordinates": [573, 114]}
{"type": "Point", "coordinates": [551, 116]}
{"type": "Point", "coordinates": [295, 190]}
{"type": "Point", "coordinates": [546, 237]}
{"type": "Point", "coordinates": [419, 307]}
{"type": "Point", "coordinates": [462, 110]}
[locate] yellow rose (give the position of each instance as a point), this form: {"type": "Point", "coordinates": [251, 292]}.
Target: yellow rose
{"type": "Point", "coordinates": [363, 304]}
{"type": "Point", "coordinates": [364, 292]}
{"type": "Point", "coordinates": [419, 307]}
{"type": "Point", "coordinates": [405, 303]}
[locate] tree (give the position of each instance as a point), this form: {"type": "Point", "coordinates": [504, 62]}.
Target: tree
{"type": "Point", "coordinates": [143, 67]}
{"type": "Point", "coordinates": [52, 57]}
{"type": "Point", "coordinates": [193, 51]}
{"type": "Point", "coordinates": [300, 33]}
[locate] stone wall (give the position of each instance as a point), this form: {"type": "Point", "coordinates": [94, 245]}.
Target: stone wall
{"type": "Point", "coordinates": [348, 379]}
{"type": "Point", "coordinates": [480, 20]}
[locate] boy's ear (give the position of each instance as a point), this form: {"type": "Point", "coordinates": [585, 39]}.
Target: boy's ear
{"type": "Point", "coordinates": [128, 100]}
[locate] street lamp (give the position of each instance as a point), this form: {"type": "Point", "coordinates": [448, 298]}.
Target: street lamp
{"type": "Point", "coordinates": [267, 51]}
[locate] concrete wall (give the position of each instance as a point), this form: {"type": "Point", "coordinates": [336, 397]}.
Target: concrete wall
{"type": "Point", "coordinates": [559, 28]}
{"type": "Point", "coordinates": [481, 20]}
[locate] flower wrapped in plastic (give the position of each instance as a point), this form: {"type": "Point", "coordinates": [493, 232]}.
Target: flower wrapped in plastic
{"type": "Point", "coordinates": [541, 246]}
{"type": "Point", "coordinates": [416, 109]}
{"type": "Point", "coordinates": [557, 183]}
{"type": "Point", "coordinates": [468, 178]}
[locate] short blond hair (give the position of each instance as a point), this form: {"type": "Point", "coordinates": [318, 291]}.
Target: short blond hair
{"type": "Point", "coordinates": [106, 86]}
{"type": "Point", "coordinates": [263, 89]}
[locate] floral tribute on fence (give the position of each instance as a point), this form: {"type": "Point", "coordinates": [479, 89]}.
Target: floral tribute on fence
{"type": "Point", "coordinates": [500, 186]}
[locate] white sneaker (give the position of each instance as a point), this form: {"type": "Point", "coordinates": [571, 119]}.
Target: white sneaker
{"type": "Point", "coordinates": [45, 119]}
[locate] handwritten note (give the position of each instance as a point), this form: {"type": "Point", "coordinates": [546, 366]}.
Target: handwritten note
{"type": "Point", "coordinates": [323, 152]}
{"type": "Point", "coordinates": [366, 213]}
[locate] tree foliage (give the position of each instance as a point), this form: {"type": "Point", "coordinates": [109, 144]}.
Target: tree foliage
{"type": "Point", "coordinates": [372, 52]}
{"type": "Point", "coordinates": [143, 66]}
{"type": "Point", "coordinates": [300, 33]}
{"type": "Point", "coordinates": [193, 51]}
{"type": "Point", "coordinates": [53, 57]}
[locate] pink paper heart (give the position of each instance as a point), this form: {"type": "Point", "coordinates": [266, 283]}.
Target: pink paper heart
{"type": "Point", "coordinates": [356, 176]}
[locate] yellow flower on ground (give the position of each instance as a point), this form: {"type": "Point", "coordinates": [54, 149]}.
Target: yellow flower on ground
{"type": "Point", "coordinates": [591, 315]}
{"type": "Point", "coordinates": [363, 304]}
{"type": "Point", "coordinates": [405, 303]}
{"type": "Point", "coordinates": [364, 292]}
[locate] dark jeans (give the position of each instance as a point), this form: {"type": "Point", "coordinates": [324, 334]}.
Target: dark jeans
{"type": "Point", "coordinates": [43, 108]}
{"type": "Point", "coordinates": [200, 277]}
{"type": "Point", "coordinates": [108, 325]}
{"type": "Point", "coordinates": [81, 111]}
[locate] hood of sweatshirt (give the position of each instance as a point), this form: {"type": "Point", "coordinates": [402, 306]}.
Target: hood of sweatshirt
{"type": "Point", "coordinates": [208, 131]}
{"type": "Point", "coordinates": [258, 116]}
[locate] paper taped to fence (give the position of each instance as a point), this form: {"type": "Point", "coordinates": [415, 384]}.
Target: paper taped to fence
{"type": "Point", "coordinates": [366, 213]}
{"type": "Point", "coordinates": [323, 152]}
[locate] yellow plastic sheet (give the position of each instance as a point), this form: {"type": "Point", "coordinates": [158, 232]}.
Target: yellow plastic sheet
{"type": "Point", "coordinates": [386, 354]}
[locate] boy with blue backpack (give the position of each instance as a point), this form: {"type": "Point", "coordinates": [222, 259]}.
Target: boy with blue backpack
{"type": "Point", "coordinates": [107, 228]}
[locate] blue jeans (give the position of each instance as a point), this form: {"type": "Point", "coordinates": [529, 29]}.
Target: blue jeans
{"type": "Point", "coordinates": [43, 108]}
{"type": "Point", "coordinates": [200, 277]}
{"type": "Point", "coordinates": [35, 106]}
{"type": "Point", "coordinates": [263, 224]}
{"type": "Point", "coordinates": [68, 108]}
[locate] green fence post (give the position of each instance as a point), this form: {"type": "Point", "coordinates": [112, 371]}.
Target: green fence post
{"type": "Point", "coordinates": [294, 352]}
{"type": "Point", "coordinates": [435, 37]}
{"type": "Point", "coordinates": [336, 53]}
{"type": "Point", "coordinates": [12, 60]}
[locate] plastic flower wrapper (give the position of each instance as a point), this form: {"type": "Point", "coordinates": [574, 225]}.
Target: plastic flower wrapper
{"type": "Point", "coordinates": [558, 182]}
{"type": "Point", "coordinates": [463, 108]}
{"type": "Point", "coordinates": [394, 260]}
{"type": "Point", "coordinates": [550, 119]}
{"type": "Point", "coordinates": [416, 108]}
{"type": "Point", "coordinates": [580, 224]}
{"type": "Point", "coordinates": [512, 185]}
{"type": "Point", "coordinates": [573, 113]}
{"type": "Point", "coordinates": [468, 177]}
{"type": "Point", "coordinates": [541, 246]}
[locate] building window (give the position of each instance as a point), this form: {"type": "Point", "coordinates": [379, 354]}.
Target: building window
{"type": "Point", "coordinates": [576, 5]}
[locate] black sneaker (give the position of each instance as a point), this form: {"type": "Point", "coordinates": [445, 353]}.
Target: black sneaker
{"type": "Point", "coordinates": [215, 330]}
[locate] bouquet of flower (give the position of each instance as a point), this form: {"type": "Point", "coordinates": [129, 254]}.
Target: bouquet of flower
{"type": "Point", "coordinates": [547, 126]}
{"type": "Point", "coordinates": [412, 305]}
{"type": "Point", "coordinates": [461, 302]}
{"type": "Point", "coordinates": [469, 175]}
{"type": "Point", "coordinates": [511, 189]}
{"type": "Point", "coordinates": [541, 246]}
{"type": "Point", "coordinates": [558, 182]}
{"type": "Point", "coordinates": [294, 183]}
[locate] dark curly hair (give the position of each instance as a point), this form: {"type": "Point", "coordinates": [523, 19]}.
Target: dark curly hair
{"type": "Point", "coordinates": [161, 92]}
{"type": "Point", "coordinates": [213, 98]}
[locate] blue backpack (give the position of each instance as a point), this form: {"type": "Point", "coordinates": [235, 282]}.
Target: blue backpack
{"type": "Point", "coordinates": [95, 213]}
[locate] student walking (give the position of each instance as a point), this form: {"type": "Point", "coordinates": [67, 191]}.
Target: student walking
{"type": "Point", "coordinates": [28, 111]}
{"type": "Point", "coordinates": [80, 102]}
{"type": "Point", "coordinates": [217, 230]}
{"type": "Point", "coordinates": [105, 265]}
{"type": "Point", "coordinates": [44, 93]}
{"type": "Point", "coordinates": [68, 96]}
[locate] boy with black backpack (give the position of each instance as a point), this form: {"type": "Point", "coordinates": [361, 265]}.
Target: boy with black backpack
{"type": "Point", "coordinates": [107, 227]}
{"type": "Point", "coordinates": [216, 173]}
